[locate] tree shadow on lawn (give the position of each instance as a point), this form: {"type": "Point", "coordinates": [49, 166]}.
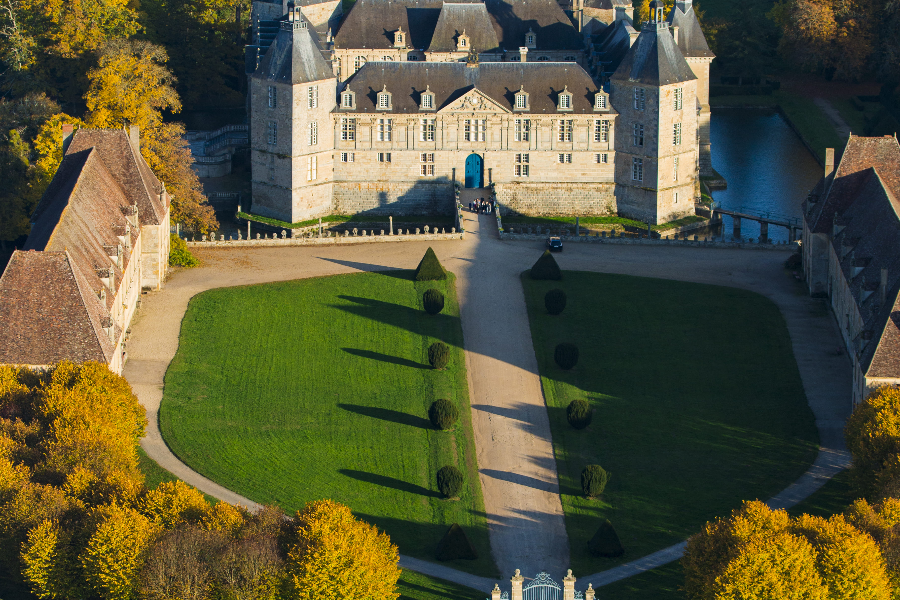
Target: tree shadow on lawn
{"type": "Point", "coordinates": [440, 326]}
{"type": "Point", "coordinates": [386, 414]}
{"type": "Point", "coordinates": [395, 360]}
{"type": "Point", "coordinates": [523, 480]}
{"type": "Point", "coordinates": [389, 482]}
{"type": "Point", "coordinates": [394, 272]}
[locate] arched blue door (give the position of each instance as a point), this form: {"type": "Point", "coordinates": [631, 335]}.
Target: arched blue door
{"type": "Point", "coordinates": [474, 171]}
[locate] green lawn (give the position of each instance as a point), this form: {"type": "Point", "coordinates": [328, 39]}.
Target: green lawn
{"type": "Point", "coordinates": [663, 583]}
{"type": "Point", "coordinates": [697, 400]}
{"type": "Point", "coordinates": [415, 586]}
{"type": "Point", "coordinates": [291, 392]}
{"type": "Point", "coordinates": [832, 498]}
{"type": "Point", "coordinates": [153, 473]}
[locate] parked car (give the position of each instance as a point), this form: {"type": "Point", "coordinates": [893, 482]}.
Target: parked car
{"type": "Point", "coordinates": [554, 244]}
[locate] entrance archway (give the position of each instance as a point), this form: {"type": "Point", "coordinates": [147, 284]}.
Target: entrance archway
{"type": "Point", "coordinates": [474, 171]}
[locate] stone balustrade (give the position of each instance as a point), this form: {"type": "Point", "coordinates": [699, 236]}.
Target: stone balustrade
{"type": "Point", "coordinates": [355, 236]}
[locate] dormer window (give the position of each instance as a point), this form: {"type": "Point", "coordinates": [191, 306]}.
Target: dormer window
{"type": "Point", "coordinates": [348, 99]}
{"type": "Point", "coordinates": [384, 99]}
{"type": "Point", "coordinates": [400, 38]}
{"type": "Point", "coordinates": [427, 102]}
{"type": "Point", "coordinates": [531, 39]}
{"type": "Point", "coordinates": [565, 100]}
{"type": "Point", "coordinates": [462, 42]}
{"type": "Point", "coordinates": [521, 99]}
{"type": "Point", "coordinates": [600, 101]}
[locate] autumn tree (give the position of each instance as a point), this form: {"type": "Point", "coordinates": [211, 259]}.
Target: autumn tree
{"type": "Point", "coordinates": [131, 84]}
{"type": "Point", "coordinates": [334, 556]}
{"type": "Point", "coordinates": [873, 438]}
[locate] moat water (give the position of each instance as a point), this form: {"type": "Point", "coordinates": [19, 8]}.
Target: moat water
{"type": "Point", "coordinates": [766, 165]}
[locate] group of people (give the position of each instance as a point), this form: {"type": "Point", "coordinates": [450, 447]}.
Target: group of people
{"type": "Point", "coordinates": [480, 205]}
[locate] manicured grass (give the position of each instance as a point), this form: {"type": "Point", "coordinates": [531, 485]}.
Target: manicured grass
{"type": "Point", "coordinates": [153, 473]}
{"type": "Point", "coordinates": [286, 225]}
{"type": "Point", "coordinates": [415, 586]}
{"type": "Point", "coordinates": [663, 583]}
{"type": "Point", "coordinates": [832, 498]}
{"type": "Point", "coordinates": [557, 221]}
{"type": "Point", "coordinates": [697, 400]}
{"type": "Point", "coordinates": [291, 392]}
{"type": "Point", "coordinates": [359, 218]}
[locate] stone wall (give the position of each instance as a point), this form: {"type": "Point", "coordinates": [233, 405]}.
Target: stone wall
{"type": "Point", "coordinates": [557, 198]}
{"type": "Point", "coordinates": [370, 237]}
{"type": "Point", "coordinates": [416, 197]}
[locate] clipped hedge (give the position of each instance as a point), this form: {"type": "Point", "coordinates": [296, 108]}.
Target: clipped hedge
{"type": "Point", "coordinates": [449, 481]}
{"type": "Point", "coordinates": [579, 413]}
{"type": "Point", "coordinates": [546, 268]}
{"type": "Point", "coordinates": [456, 545]}
{"type": "Point", "coordinates": [566, 355]}
{"type": "Point", "coordinates": [606, 542]}
{"type": "Point", "coordinates": [430, 268]}
{"type": "Point", "coordinates": [433, 301]}
{"type": "Point", "coordinates": [179, 254]}
{"type": "Point", "coordinates": [593, 480]}
{"type": "Point", "coordinates": [438, 355]}
{"type": "Point", "coordinates": [443, 414]}
{"type": "Point", "coordinates": [555, 301]}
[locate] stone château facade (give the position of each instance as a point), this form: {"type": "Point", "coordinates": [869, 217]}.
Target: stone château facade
{"type": "Point", "coordinates": [99, 235]}
{"type": "Point", "coordinates": [395, 132]}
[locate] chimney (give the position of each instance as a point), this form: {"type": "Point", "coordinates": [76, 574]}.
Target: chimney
{"type": "Point", "coordinates": [882, 287]}
{"type": "Point", "coordinates": [67, 130]}
{"type": "Point", "coordinates": [675, 33]}
{"type": "Point", "coordinates": [134, 134]}
{"type": "Point", "coordinates": [523, 54]}
{"type": "Point", "coordinates": [620, 13]}
{"type": "Point", "coordinates": [829, 161]}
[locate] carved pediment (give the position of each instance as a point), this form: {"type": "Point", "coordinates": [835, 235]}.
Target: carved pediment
{"type": "Point", "coordinates": [474, 101]}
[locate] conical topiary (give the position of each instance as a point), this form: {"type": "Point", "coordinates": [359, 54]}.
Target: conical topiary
{"type": "Point", "coordinates": [430, 268]}
{"type": "Point", "coordinates": [606, 542]}
{"type": "Point", "coordinates": [455, 544]}
{"type": "Point", "coordinates": [546, 268]}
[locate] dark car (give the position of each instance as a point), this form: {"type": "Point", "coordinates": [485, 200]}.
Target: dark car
{"type": "Point", "coordinates": [554, 244]}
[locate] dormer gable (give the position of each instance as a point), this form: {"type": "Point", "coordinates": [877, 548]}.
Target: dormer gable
{"type": "Point", "coordinates": [383, 102]}
{"type": "Point", "coordinates": [521, 102]}
{"type": "Point", "coordinates": [348, 99]}
{"type": "Point", "coordinates": [427, 101]}
{"type": "Point", "coordinates": [531, 39]}
{"type": "Point", "coordinates": [564, 101]}
{"type": "Point", "coordinates": [463, 42]}
{"type": "Point", "coordinates": [601, 101]}
{"type": "Point", "coordinates": [400, 38]}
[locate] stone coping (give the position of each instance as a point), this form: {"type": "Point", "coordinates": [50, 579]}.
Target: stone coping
{"type": "Point", "coordinates": [704, 243]}
{"type": "Point", "coordinates": [327, 241]}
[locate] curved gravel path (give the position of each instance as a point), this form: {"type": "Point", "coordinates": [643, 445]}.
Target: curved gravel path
{"type": "Point", "coordinates": [518, 471]}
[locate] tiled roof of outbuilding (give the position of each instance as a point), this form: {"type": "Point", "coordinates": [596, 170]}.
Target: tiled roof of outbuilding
{"type": "Point", "coordinates": [128, 167]}
{"type": "Point", "coordinates": [469, 17]}
{"type": "Point", "coordinates": [49, 313]}
{"type": "Point", "coordinates": [450, 80]}
{"type": "Point", "coordinates": [654, 59]}
{"type": "Point", "coordinates": [294, 56]}
{"type": "Point", "coordinates": [691, 40]}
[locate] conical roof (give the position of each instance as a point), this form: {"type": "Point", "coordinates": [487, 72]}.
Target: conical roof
{"type": "Point", "coordinates": [691, 40]}
{"type": "Point", "coordinates": [654, 59]}
{"type": "Point", "coordinates": [295, 56]}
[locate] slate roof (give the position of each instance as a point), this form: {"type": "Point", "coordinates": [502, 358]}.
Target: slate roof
{"type": "Point", "coordinates": [469, 17]}
{"type": "Point", "coordinates": [654, 59]}
{"type": "Point", "coordinates": [606, 4]}
{"type": "Point", "coordinates": [842, 187]}
{"type": "Point", "coordinates": [450, 80]}
{"type": "Point", "coordinates": [295, 56]}
{"type": "Point", "coordinates": [49, 313]}
{"type": "Point", "coordinates": [613, 43]}
{"type": "Point", "coordinates": [129, 169]}
{"type": "Point", "coordinates": [371, 24]}
{"type": "Point", "coordinates": [691, 40]}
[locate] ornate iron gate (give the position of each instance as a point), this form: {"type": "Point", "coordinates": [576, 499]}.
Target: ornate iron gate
{"type": "Point", "coordinates": [541, 587]}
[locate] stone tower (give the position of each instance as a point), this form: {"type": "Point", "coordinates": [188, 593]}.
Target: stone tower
{"type": "Point", "coordinates": [655, 93]}
{"type": "Point", "coordinates": [692, 43]}
{"type": "Point", "coordinates": [291, 130]}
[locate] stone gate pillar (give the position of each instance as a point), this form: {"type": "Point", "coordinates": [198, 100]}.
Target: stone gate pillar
{"type": "Point", "coordinates": [569, 586]}
{"type": "Point", "coordinates": [516, 580]}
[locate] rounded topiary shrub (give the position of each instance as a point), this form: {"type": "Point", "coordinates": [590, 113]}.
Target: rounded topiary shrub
{"type": "Point", "coordinates": [606, 542]}
{"type": "Point", "coordinates": [546, 268]}
{"type": "Point", "coordinates": [566, 356]}
{"type": "Point", "coordinates": [433, 301]}
{"type": "Point", "coordinates": [443, 414]}
{"type": "Point", "coordinates": [593, 480]}
{"type": "Point", "coordinates": [438, 355]}
{"type": "Point", "coordinates": [449, 480]}
{"type": "Point", "coordinates": [555, 301]}
{"type": "Point", "coordinates": [579, 413]}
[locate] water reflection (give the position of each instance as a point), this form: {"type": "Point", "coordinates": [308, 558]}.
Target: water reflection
{"type": "Point", "coordinates": [766, 165]}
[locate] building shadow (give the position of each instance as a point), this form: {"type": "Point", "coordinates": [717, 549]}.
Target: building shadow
{"type": "Point", "coordinates": [394, 360]}
{"type": "Point", "coordinates": [389, 482]}
{"type": "Point", "coordinates": [386, 414]}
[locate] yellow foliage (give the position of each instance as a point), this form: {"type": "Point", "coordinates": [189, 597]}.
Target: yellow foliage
{"type": "Point", "coordinates": [336, 556]}
{"type": "Point", "coordinates": [173, 503]}
{"type": "Point", "coordinates": [224, 517]}
{"type": "Point", "coordinates": [115, 552]}
{"type": "Point", "coordinates": [778, 567]}
{"type": "Point", "coordinates": [873, 433]}
{"type": "Point", "coordinates": [79, 26]}
{"type": "Point", "coordinates": [131, 84]}
{"type": "Point", "coordinates": [50, 568]}
{"type": "Point", "coordinates": [48, 144]}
